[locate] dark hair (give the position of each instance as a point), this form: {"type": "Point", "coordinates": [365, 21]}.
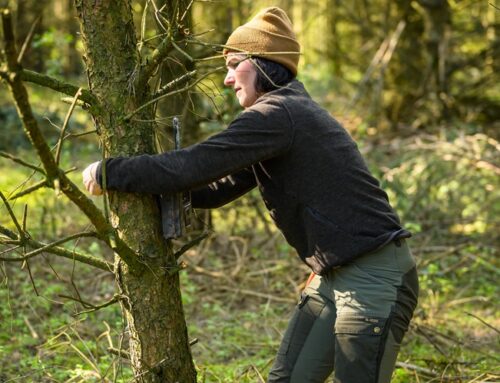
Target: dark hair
{"type": "Point", "coordinates": [270, 75]}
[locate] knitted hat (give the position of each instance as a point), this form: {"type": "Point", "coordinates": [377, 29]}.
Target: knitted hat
{"type": "Point", "coordinates": [269, 35]}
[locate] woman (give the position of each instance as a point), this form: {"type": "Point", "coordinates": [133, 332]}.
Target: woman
{"type": "Point", "coordinates": [353, 314]}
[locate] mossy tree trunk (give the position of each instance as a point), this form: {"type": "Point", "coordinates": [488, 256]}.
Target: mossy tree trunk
{"type": "Point", "coordinates": [152, 304]}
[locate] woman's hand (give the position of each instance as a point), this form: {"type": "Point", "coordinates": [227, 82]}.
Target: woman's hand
{"type": "Point", "coordinates": [90, 179]}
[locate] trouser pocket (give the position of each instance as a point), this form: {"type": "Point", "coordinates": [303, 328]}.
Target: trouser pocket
{"type": "Point", "coordinates": [359, 346]}
{"type": "Point", "coordinates": [305, 314]}
{"type": "Point", "coordinates": [306, 351]}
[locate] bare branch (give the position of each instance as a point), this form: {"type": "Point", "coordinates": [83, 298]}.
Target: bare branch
{"type": "Point", "coordinates": [483, 322]}
{"type": "Point", "coordinates": [187, 87]}
{"type": "Point", "coordinates": [116, 298]}
{"type": "Point", "coordinates": [38, 185]}
{"type": "Point", "coordinates": [174, 83]}
{"type": "Point", "coordinates": [25, 215]}
{"type": "Point", "coordinates": [22, 234]}
{"type": "Point", "coordinates": [10, 249]}
{"type": "Point", "coordinates": [152, 62]}
{"type": "Point", "coordinates": [60, 251]}
{"type": "Point", "coordinates": [186, 10]}
{"type": "Point", "coordinates": [182, 52]}
{"type": "Point", "coordinates": [8, 233]}
{"type": "Point", "coordinates": [59, 86]}
{"type": "Point", "coordinates": [31, 278]}
{"type": "Point", "coordinates": [21, 97]}
{"type": "Point", "coordinates": [60, 180]}
{"type": "Point", "coordinates": [121, 353]}
{"type": "Point", "coordinates": [76, 135]}
{"type": "Point", "coordinates": [192, 40]}
{"type": "Point", "coordinates": [30, 189]}
{"type": "Point", "coordinates": [78, 299]}
{"type": "Point", "coordinates": [22, 162]}
{"type": "Point", "coordinates": [84, 234]}
{"type": "Point", "coordinates": [49, 246]}
{"type": "Point", "coordinates": [143, 27]}
{"type": "Point", "coordinates": [381, 57]}
{"type": "Point", "coordinates": [10, 45]}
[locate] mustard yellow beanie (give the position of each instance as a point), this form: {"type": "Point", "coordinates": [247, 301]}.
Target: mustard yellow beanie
{"type": "Point", "coordinates": [269, 35]}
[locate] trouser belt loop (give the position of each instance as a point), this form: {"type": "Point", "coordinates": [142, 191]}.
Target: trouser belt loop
{"type": "Point", "coordinates": [397, 242]}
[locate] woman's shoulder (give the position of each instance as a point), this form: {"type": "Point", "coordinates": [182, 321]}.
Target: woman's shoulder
{"type": "Point", "coordinates": [287, 97]}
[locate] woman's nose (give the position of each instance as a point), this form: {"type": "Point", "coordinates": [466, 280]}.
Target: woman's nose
{"type": "Point", "coordinates": [229, 80]}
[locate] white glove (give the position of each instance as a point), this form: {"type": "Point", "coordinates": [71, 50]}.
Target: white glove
{"type": "Point", "coordinates": [90, 179]}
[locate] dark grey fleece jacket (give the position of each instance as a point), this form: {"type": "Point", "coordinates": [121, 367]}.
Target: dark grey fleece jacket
{"type": "Point", "coordinates": [309, 171]}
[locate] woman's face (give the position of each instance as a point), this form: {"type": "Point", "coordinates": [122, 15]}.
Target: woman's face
{"type": "Point", "coordinates": [241, 75]}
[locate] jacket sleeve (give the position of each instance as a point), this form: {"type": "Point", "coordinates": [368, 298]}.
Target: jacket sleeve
{"type": "Point", "coordinates": [261, 132]}
{"type": "Point", "coordinates": [223, 191]}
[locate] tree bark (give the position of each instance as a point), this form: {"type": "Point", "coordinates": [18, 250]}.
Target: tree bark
{"type": "Point", "coordinates": [159, 346]}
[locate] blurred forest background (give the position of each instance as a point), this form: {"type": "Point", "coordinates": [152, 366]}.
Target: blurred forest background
{"type": "Point", "coordinates": [417, 85]}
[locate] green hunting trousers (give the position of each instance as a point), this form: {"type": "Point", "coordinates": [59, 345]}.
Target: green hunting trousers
{"type": "Point", "coordinates": [351, 321]}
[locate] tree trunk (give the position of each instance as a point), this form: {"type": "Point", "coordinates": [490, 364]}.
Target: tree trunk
{"type": "Point", "coordinates": [333, 38]}
{"type": "Point", "coordinates": [437, 36]}
{"type": "Point", "coordinates": [152, 304]}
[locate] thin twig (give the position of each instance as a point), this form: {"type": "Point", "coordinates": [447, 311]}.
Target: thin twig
{"type": "Point", "coordinates": [32, 279]}
{"type": "Point", "coordinates": [143, 27]}
{"type": "Point", "coordinates": [259, 375]}
{"type": "Point", "coordinates": [182, 52]}
{"type": "Point", "coordinates": [186, 11]}
{"type": "Point", "coordinates": [12, 215]}
{"type": "Point", "coordinates": [421, 331]}
{"type": "Point", "coordinates": [174, 83]}
{"type": "Point", "coordinates": [25, 216]}
{"type": "Point", "coordinates": [93, 308]}
{"type": "Point", "coordinates": [35, 187]}
{"type": "Point", "coordinates": [483, 322]}
{"type": "Point", "coordinates": [79, 300]}
{"type": "Point", "coordinates": [413, 367]}
{"type": "Point", "coordinates": [30, 190]}
{"type": "Point", "coordinates": [28, 39]}
{"type": "Point", "coordinates": [21, 162]}
{"type": "Point", "coordinates": [191, 244]}
{"type": "Point", "coordinates": [10, 249]}
{"type": "Point", "coordinates": [65, 124]}
{"type": "Point", "coordinates": [33, 253]}
{"type": "Point", "coordinates": [59, 251]}
{"type": "Point", "coordinates": [76, 135]}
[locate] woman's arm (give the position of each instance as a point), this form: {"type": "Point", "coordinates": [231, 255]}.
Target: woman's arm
{"type": "Point", "coordinates": [262, 132]}
{"type": "Point", "coordinates": [223, 191]}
